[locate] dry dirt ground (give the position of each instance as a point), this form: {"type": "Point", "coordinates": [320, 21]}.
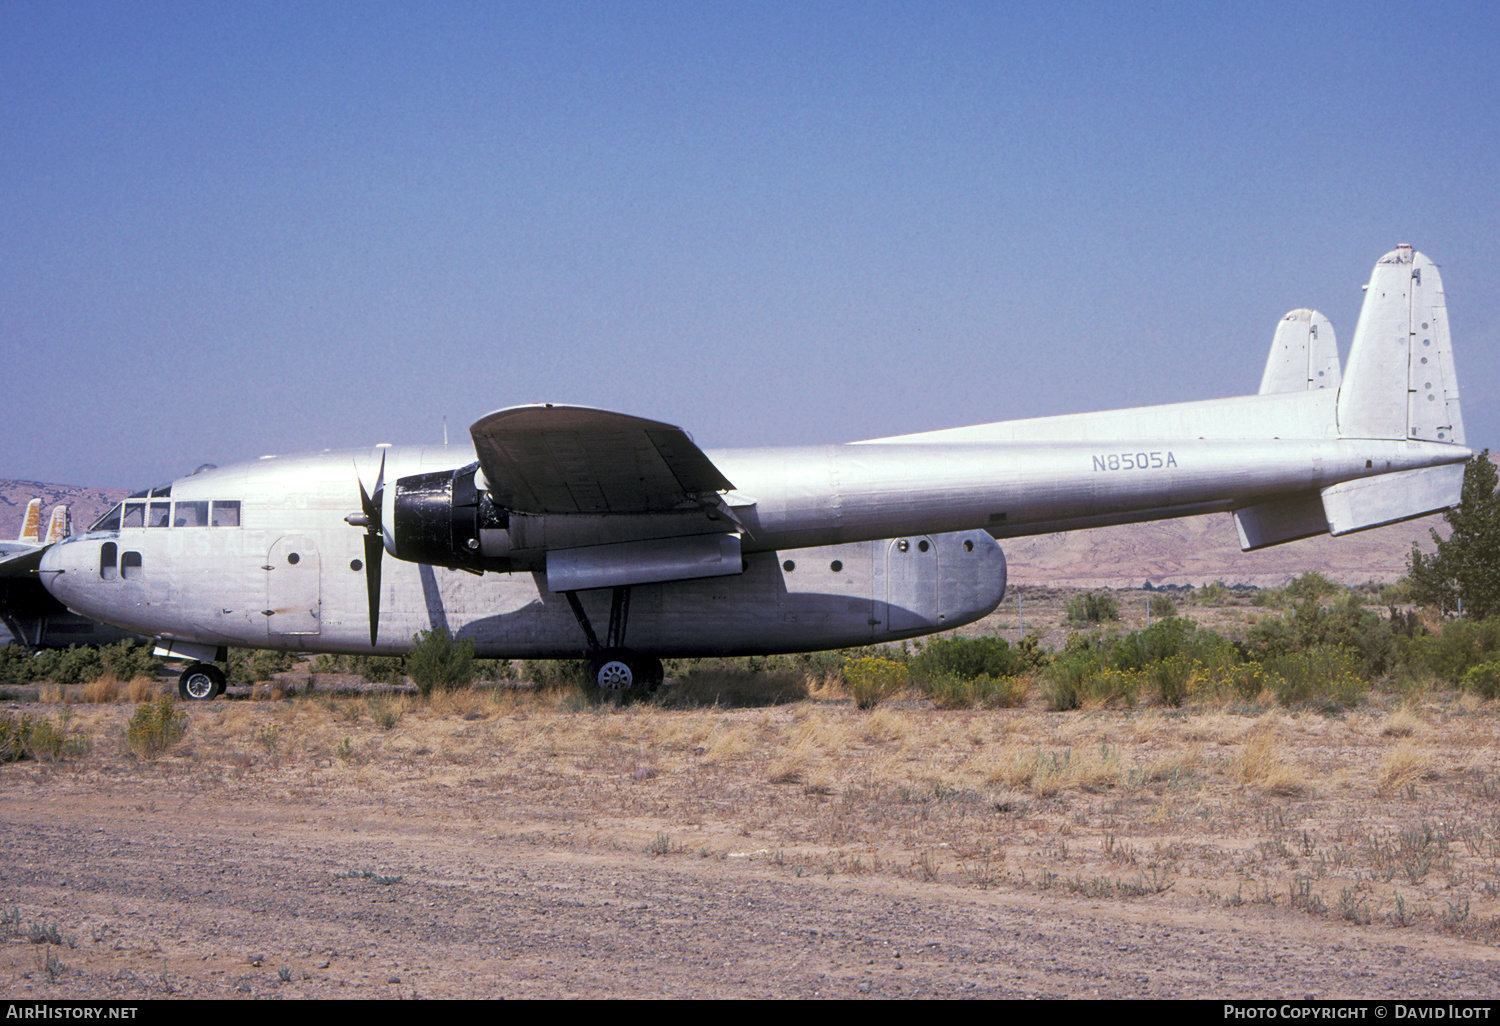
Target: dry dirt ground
{"type": "Point", "coordinates": [502, 843]}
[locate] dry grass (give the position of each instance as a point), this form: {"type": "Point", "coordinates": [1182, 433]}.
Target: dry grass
{"type": "Point", "coordinates": [1401, 766]}
{"type": "Point", "coordinates": [1401, 723]}
{"type": "Point", "coordinates": [1229, 803]}
{"type": "Point", "coordinates": [102, 689]}
{"type": "Point", "coordinates": [1120, 804]}
{"type": "Point", "coordinates": [1262, 765]}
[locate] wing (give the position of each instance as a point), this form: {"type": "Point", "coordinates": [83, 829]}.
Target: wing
{"type": "Point", "coordinates": [18, 561]}
{"type": "Point", "coordinates": [572, 459]}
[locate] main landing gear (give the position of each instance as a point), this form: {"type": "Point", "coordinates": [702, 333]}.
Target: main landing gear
{"type": "Point", "coordinates": [613, 667]}
{"type": "Point", "coordinates": [200, 682]}
{"type": "Point", "coordinates": [620, 671]}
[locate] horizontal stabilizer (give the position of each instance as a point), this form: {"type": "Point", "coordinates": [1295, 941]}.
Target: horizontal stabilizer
{"type": "Point", "coordinates": [1391, 498]}
{"type": "Point", "coordinates": [1280, 520]}
{"type": "Point", "coordinates": [1304, 355]}
{"type": "Point", "coordinates": [644, 562]}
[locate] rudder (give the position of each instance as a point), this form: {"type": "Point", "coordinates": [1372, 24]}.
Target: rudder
{"type": "Point", "coordinates": [1400, 382]}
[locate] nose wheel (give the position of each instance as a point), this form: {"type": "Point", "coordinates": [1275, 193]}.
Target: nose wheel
{"type": "Point", "coordinates": [200, 682]}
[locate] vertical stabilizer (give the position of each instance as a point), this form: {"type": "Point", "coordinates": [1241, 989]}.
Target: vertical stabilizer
{"type": "Point", "coordinates": [1400, 381]}
{"type": "Point", "coordinates": [1304, 355]}
{"type": "Point", "coordinates": [61, 524]}
{"type": "Point", "coordinates": [31, 526]}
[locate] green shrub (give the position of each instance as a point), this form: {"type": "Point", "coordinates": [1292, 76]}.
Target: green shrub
{"type": "Point", "coordinates": [1093, 608]}
{"type": "Point", "coordinates": [439, 661]}
{"type": "Point", "coordinates": [128, 660]}
{"type": "Point", "coordinates": [155, 727]}
{"type": "Point", "coordinates": [964, 658]}
{"type": "Point", "coordinates": [1311, 586]}
{"type": "Point", "coordinates": [1459, 647]}
{"type": "Point", "coordinates": [1324, 674]}
{"type": "Point", "coordinates": [1344, 624]}
{"type": "Point", "coordinates": [1172, 678]}
{"type": "Point", "coordinates": [22, 737]}
{"type": "Point", "coordinates": [950, 691]}
{"type": "Point", "coordinates": [73, 665]}
{"type": "Point", "coordinates": [1215, 594]}
{"type": "Point", "coordinates": [379, 669]}
{"type": "Point", "coordinates": [872, 680]}
{"type": "Point", "coordinates": [1483, 680]}
{"type": "Point", "coordinates": [566, 674]}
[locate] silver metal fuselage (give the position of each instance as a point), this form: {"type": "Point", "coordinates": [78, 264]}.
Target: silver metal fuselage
{"type": "Point", "coordinates": [575, 516]}
{"type": "Point", "coordinates": [843, 545]}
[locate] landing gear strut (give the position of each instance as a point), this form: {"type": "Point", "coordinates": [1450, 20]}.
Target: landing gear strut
{"type": "Point", "coordinates": [613, 667]}
{"type": "Point", "coordinates": [200, 682]}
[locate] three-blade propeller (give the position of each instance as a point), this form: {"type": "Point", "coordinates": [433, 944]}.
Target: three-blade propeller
{"type": "Point", "coordinates": [369, 519]}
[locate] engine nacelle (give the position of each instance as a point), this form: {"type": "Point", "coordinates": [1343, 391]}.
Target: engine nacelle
{"type": "Point", "coordinates": [444, 519]}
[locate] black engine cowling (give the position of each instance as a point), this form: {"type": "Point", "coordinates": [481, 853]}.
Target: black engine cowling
{"type": "Point", "coordinates": [444, 519]}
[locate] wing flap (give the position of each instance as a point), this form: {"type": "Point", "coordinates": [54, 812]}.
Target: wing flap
{"type": "Point", "coordinates": [572, 459]}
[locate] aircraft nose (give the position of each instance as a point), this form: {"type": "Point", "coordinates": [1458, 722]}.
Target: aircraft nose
{"type": "Point", "coordinates": [62, 570]}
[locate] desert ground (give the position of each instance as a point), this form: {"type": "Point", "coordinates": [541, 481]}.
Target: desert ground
{"type": "Point", "coordinates": [320, 838]}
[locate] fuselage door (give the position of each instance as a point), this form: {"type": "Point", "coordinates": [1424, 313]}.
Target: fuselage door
{"type": "Point", "coordinates": [911, 584]}
{"type": "Point", "coordinates": [293, 595]}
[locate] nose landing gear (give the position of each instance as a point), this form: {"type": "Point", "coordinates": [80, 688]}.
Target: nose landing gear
{"type": "Point", "coordinates": [200, 682]}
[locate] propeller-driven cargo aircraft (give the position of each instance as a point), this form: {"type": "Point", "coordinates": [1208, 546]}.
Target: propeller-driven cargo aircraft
{"type": "Point", "coordinates": [567, 532]}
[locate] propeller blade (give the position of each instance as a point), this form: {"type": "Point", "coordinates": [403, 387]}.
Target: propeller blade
{"type": "Point", "coordinates": [369, 519]}
{"type": "Point", "coordinates": [374, 550]}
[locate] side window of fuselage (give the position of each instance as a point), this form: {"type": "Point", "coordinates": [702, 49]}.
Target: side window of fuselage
{"type": "Point", "coordinates": [130, 566]}
{"type": "Point", "coordinates": [190, 514]}
{"type": "Point", "coordinates": [226, 513]}
{"type": "Point", "coordinates": [108, 556]}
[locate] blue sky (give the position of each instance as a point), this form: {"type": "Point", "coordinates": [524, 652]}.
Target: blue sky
{"type": "Point", "coordinates": [238, 228]}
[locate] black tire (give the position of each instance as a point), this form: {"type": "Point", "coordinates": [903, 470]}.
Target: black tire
{"type": "Point", "coordinates": [652, 672]}
{"type": "Point", "coordinates": [200, 682]}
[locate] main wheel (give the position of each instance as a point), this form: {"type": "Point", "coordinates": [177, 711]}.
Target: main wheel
{"type": "Point", "coordinates": [200, 682]}
{"type": "Point", "coordinates": [615, 671]}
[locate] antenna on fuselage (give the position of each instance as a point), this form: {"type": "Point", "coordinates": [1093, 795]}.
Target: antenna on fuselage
{"type": "Point", "coordinates": [445, 429]}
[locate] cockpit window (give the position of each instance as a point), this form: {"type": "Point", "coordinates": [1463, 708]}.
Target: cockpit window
{"type": "Point", "coordinates": [109, 522]}
{"type": "Point", "coordinates": [197, 513]}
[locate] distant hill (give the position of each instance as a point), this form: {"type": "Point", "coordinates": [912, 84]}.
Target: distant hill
{"type": "Point", "coordinates": [86, 504]}
{"type": "Point", "coordinates": [1197, 550]}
